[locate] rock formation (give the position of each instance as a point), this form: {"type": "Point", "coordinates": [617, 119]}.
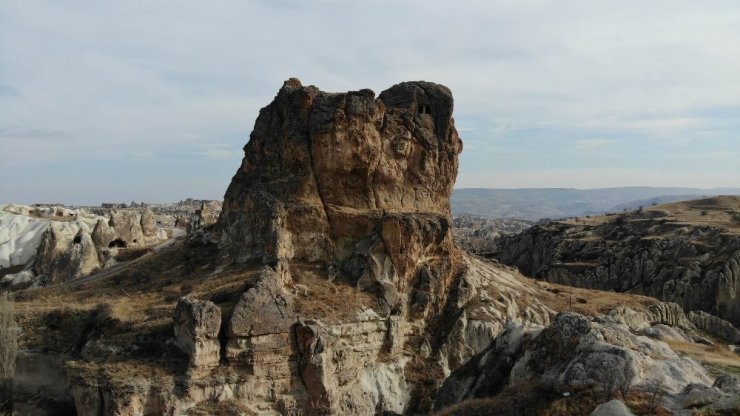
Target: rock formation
{"type": "Point", "coordinates": [62, 255]}
{"type": "Point", "coordinates": [715, 326]}
{"type": "Point", "coordinates": [576, 352]}
{"type": "Point", "coordinates": [56, 244]}
{"type": "Point", "coordinates": [648, 252]}
{"type": "Point", "coordinates": [331, 284]}
{"type": "Point", "coordinates": [357, 188]}
{"type": "Point", "coordinates": [205, 216]}
{"type": "Point", "coordinates": [197, 324]}
{"type": "Point", "coordinates": [322, 172]}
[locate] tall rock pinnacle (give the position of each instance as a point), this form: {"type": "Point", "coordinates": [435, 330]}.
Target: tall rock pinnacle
{"type": "Point", "coordinates": [321, 170]}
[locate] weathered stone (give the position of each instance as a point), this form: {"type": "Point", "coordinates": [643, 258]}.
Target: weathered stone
{"type": "Point", "coordinates": [266, 308]}
{"type": "Point", "coordinates": [346, 176]}
{"type": "Point", "coordinates": [728, 383]}
{"type": "Point", "coordinates": [197, 325]}
{"type": "Point", "coordinates": [715, 326]}
{"type": "Point", "coordinates": [696, 267]}
{"type": "Point", "coordinates": [102, 234]}
{"type": "Point", "coordinates": [612, 408]}
{"type": "Point", "coordinates": [65, 253]}
{"type": "Point", "coordinates": [574, 352]}
{"type": "Point", "coordinates": [148, 223]}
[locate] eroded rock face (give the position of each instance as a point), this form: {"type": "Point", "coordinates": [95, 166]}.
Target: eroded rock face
{"type": "Point", "coordinates": [358, 187]}
{"type": "Point", "coordinates": [573, 352]}
{"type": "Point", "coordinates": [715, 326]}
{"type": "Point", "coordinates": [697, 267]}
{"type": "Point", "coordinates": [323, 171]}
{"type": "Point", "coordinates": [264, 309]}
{"type": "Point", "coordinates": [203, 217]}
{"type": "Point", "coordinates": [197, 325]}
{"type": "Point", "coordinates": [148, 223]}
{"type": "Point", "coordinates": [63, 255]}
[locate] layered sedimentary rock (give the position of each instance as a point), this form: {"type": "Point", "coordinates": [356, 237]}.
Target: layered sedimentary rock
{"type": "Point", "coordinates": [649, 253]}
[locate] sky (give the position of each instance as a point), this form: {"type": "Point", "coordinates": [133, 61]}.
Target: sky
{"type": "Point", "coordinates": [154, 100]}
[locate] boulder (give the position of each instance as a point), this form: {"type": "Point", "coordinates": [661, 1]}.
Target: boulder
{"type": "Point", "coordinates": [612, 408]}
{"type": "Point", "coordinates": [266, 308]}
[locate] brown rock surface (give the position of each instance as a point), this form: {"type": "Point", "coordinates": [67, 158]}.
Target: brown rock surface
{"type": "Point", "coordinates": [197, 325]}
{"type": "Point", "coordinates": [323, 171]}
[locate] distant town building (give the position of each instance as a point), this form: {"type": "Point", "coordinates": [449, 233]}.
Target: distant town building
{"type": "Point", "coordinates": [113, 205]}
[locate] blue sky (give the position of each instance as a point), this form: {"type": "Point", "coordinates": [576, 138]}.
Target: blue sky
{"type": "Point", "coordinates": [135, 100]}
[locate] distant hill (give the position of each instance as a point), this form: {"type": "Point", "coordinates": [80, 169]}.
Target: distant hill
{"type": "Point", "coordinates": [536, 203]}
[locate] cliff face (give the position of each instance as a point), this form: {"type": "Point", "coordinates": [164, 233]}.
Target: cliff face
{"type": "Point", "coordinates": [322, 171]}
{"type": "Point", "coordinates": [662, 252]}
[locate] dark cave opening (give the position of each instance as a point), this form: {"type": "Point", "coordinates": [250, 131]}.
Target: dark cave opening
{"type": "Point", "coordinates": [117, 243]}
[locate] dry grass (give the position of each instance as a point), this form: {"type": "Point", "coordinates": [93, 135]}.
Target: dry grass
{"type": "Point", "coordinates": [589, 302]}
{"type": "Point", "coordinates": [715, 356]}
{"type": "Point", "coordinates": [721, 212]}
{"type": "Point", "coordinates": [525, 399]}
{"type": "Point", "coordinates": [645, 403]}
{"type": "Point", "coordinates": [331, 302]}
{"type": "Point", "coordinates": [128, 312]}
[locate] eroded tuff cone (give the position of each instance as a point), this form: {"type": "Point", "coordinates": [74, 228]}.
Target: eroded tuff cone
{"type": "Point", "coordinates": [197, 324]}
{"type": "Point", "coordinates": [358, 182]}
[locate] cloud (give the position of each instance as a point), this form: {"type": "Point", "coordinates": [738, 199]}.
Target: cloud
{"type": "Point", "coordinates": [104, 82]}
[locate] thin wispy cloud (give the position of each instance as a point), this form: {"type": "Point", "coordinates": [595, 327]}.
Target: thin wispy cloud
{"type": "Point", "coordinates": [88, 87]}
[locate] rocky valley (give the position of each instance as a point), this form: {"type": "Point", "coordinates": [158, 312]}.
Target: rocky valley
{"type": "Point", "coordinates": [686, 252]}
{"type": "Point", "coordinates": [48, 244]}
{"type": "Point", "coordinates": [330, 283]}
